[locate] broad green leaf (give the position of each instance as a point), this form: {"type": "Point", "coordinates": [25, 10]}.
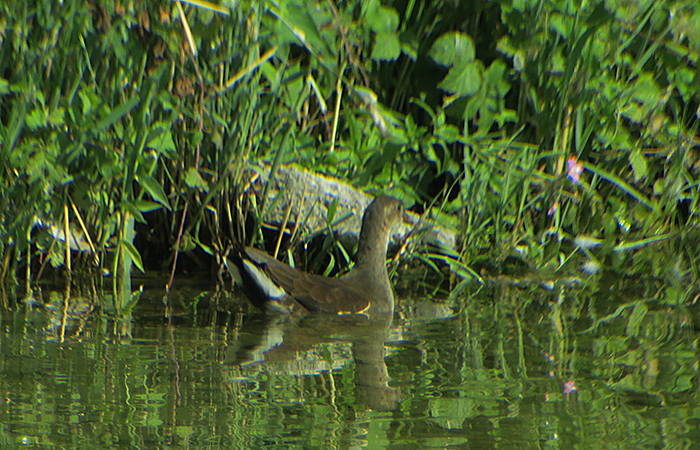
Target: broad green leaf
{"type": "Point", "coordinates": [463, 80]}
{"type": "Point", "coordinates": [330, 214]}
{"type": "Point", "coordinates": [410, 49]}
{"type": "Point", "coordinates": [56, 117]}
{"type": "Point", "coordinates": [207, 249]}
{"type": "Point", "coordinates": [384, 20]}
{"type": "Point", "coordinates": [301, 24]}
{"type": "Point", "coordinates": [387, 46]}
{"type": "Point", "coordinates": [369, 9]}
{"type": "Point", "coordinates": [560, 24]}
{"type": "Point", "coordinates": [132, 209]}
{"type": "Point", "coordinates": [646, 91]}
{"type": "Point", "coordinates": [390, 17]}
{"type": "Point", "coordinates": [453, 49]}
{"type": "Point", "coordinates": [639, 165]}
{"type": "Point", "coordinates": [195, 181]}
{"type": "Point", "coordinates": [448, 132]}
{"type": "Point", "coordinates": [154, 189]}
{"type": "Point", "coordinates": [36, 119]}
{"type": "Point", "coordinates": [40, 99]}
{"type": "Point", "coordinates": [187, 243]}
{"type": "Point", "coordinates": [496, 79]}
{"type": "Point", "coordinates": [329, 268]}
{"type": "Point", "coordinates": [684, 77]}
{"type": "Point", "coordinates": [160, 139]}
{"type": "Point", "coordinates": [683, 383]}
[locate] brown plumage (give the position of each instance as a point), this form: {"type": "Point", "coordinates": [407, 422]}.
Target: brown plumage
{"type": "Point", "coordinates": [271, 284]}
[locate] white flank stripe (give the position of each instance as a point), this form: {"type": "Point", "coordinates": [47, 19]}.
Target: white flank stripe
{"type": "Point", "coordinates": [265, 283]}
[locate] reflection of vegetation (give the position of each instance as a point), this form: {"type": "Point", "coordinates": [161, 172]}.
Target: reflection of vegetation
{"type": "Point", "coordinates": [494, 371]}
{"type": "Point", "coordinates": [114, 112]}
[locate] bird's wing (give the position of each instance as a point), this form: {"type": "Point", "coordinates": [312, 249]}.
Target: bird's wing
{"type": "Point", "coordinates": [315, 293]}
{"type": "Point", "coordinates": [330, 295]}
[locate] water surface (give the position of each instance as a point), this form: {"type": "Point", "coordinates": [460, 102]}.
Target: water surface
{"type": "Point", "coordinates": [508, 367]}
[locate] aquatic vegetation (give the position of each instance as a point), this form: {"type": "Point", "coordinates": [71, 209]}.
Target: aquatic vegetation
{"type": "Point", "coordinates": [525, 127]}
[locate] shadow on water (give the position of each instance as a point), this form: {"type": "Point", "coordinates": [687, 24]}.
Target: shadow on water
{"type": "Point", "coordinates": [507, 366]}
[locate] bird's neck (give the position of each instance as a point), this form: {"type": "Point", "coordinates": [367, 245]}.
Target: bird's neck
{"type": "Point", "coordinates": [371, 254]}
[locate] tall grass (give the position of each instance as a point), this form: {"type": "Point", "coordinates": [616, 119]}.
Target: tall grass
{"type": "Point", "coordinates": [531, 124]}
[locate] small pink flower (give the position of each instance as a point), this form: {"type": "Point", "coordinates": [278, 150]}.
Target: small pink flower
{"type": "Point", "coordinates": [553, 209]}
{"type": "Point", "coordinates": [570, 387]}
{"type": "Point", "coordinates": [574, 169]}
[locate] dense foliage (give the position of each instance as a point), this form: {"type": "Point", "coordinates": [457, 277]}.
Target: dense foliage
{"type": "Point", "coordinates": [547, 133]}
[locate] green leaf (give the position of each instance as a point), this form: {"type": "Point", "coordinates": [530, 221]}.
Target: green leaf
{"type": "Point", "coordinates": [154, 189]}
{"type": "Point", "coordinates": [448, 132]}
{"type": "Point", "coordinates": [646, 91]}
{"type": "Point", "coordinates": [384, 20]}
{"type": "Point", "coordinates": [453, 49]}
{"type": "Point", "coordinates": [387, 46]}
{"type": "Point", "coordinates": [207, 249]}
{"type": "Point", "coordinates": [36, 119]}
{"type": "Point", "coordinates": [303, 28]}
{"type": "Point", "coordinates": [462, 80]}
{"type": "Point", "coordinates": [330, 214]}
{"type": "Point", "coordinates": [639, 165]}
{"type": "Point", "coordinates": [575, 55]}
{"type": "Point", "coordinates": [457, 50]}
{"type": "Point", "coordinates": [632, 245]}
{"type": "Point", "coordinates": [195, 181]}
{"type": "Point", "coordinates": [134, 254]}
{"type": "Point", "coordinates": [161, 140]}
{"type": "Point", "coordinates": [683, 382]}
{"type": "Point", "coordinates": [369, 9]}
{"type": "Point", "coordinates": [187, 243]}
{"type": "Point", "coordinates": [622, 185]}
{"type": "Point", "coordinates": [635, 320]}
{"type": "Point", "coordinates": [132, 209]}
{"type": "Point", "coordinates": [146, 206]}
{"type": "Point", "coordinates": [117, 114]}
{"type": "Point", "coordinates": [495, 77]}
{"type": "Point", "coordinates": [56, 117]}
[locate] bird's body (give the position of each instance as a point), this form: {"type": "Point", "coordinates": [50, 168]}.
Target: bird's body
{"type": "Point", "coordinates": [271, 284]}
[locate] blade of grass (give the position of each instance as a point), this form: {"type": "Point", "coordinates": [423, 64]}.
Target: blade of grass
{"type": "Point", "coordinates": [621, 184]}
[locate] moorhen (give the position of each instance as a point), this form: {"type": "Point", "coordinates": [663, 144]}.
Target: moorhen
{"type": "Point", "coordinates": [273, 285]}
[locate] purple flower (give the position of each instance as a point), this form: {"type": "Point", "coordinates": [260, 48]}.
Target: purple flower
{"type": "Point", "coordinates": [574, 169]}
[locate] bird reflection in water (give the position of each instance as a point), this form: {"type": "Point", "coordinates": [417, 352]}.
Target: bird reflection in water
{"type": "Point", "coordinates": [319, 343]}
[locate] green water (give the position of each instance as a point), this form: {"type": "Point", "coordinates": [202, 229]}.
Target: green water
{"type": "Point", "coordinates": [504, 367]}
